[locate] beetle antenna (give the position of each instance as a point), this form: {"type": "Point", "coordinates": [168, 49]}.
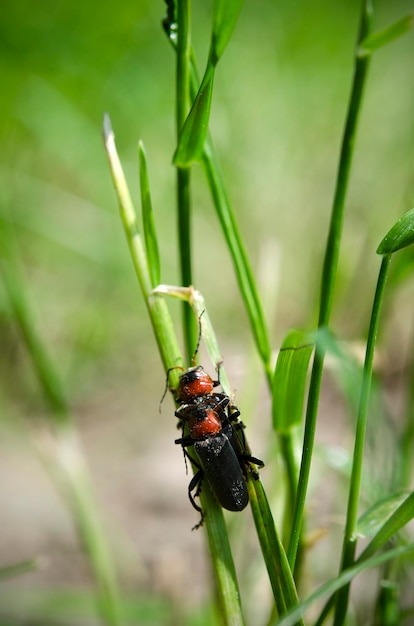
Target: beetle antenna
{"type": "Point", "coordinates": [193, 360]}
{"type": "Point", "coordinates": [167, 380]}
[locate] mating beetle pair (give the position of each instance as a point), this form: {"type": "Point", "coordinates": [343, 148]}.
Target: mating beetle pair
{"type": "Point", "coordinates": [218, 439]}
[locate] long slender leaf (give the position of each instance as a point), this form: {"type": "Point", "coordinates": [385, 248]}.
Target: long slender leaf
{"type": "Point", "coordinates": [226, 13]}
{"type": "Point", "coordinates": [238, 254]}
{"type": "Point", "coordinates": [150, 235]}
{"type": "Point", "coordinates": [386, 35]}
{"type": "Point", "coordinates": [289, 380]}
{"type": "Point", "coordinates": [127, 210]}
{"type": "Point", "coordinates": [194, 133]}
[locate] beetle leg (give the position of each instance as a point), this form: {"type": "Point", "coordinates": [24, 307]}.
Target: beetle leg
{"type": "Point", "coordinates": [196, 483]}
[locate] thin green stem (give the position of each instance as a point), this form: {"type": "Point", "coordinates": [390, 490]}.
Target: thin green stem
{"type": "Point", "coordinates": [349, 543]}
{"type": "Point", "coordinates": [183, 50]}
{"type": "Point", "coordinates": [407, 435]}
{"type": "Point", "coordinates": [329, 275]}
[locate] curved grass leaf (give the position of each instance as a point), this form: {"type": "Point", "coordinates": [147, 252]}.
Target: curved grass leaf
{"type": "Point", "coordinates": [289, 380]}
{"type": "Point", "coordinates": [340, 581]}
{"type": "Point", "coordinates": [193, 135]}
{"type": "Point", "coordinates": [225, 17]}
{"type": "Point", "coordinates": [371, 521]}
{"type": "Point", "coordinates": [384, 36]}
{"type": "Point", "coordinates": [399, 236]}
{"type": "Point", "coordinates": [150, 235]}
{"type": "Point", "coordinates": [401, 516]}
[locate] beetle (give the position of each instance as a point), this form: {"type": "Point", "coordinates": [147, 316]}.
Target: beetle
{"type": "Point", "coordinates": [221, 449]}
{"type": "Point", "coordinates": [216, 433]}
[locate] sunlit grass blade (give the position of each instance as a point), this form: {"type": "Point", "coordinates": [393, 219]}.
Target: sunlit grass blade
{"type": "Point", "coordinates": [340, 581]}
{"type": "Point", "coordinates": [225, 15]}
{"type": "Point", "coordinates": [150, 234]}
{"type": "Point", "coordinates": [193, 135]}
{"type": "Point", "coordinates": [127, 210]}
{"type": "Point", "coordinates": [399, 236]}
{"type": "Point", "coordinates": [386, 35]}
{"type": "Point", "coordinates": [289, 380]}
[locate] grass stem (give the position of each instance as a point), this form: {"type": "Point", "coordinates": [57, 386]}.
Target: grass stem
{"type": "Point", "coordinates": [329, 276]}
{"type": "Point", "coordinates": [349, 542]}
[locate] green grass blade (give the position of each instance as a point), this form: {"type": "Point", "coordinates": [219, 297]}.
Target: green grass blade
{"type": "Point", "coordinates": [386, 35]}
{"type": "Point", "coordinates": [238, 255]}
{"type": "Point", "coordinates": [127, 210]}
{"type": "Point", "coordinates": [399, 236]}
{"type": "Point", "coordinates": [399, 518]}
{"type": "Point", "coordinates": [184, 205]}
{"type": "Point", "coordinates": [193, 135]}
{"type": "Point", "coordinates": [344, 578]}
{"type": "Point", "coordinates": [150, 235]}
{"type": "Point", "coordinates": [280, 575]}
{"type": "Point", "coordinates": [396, 518]}
{"type": "Point", "coordinates": [288, 387]}
{"type": "Point", "coordinates": [371, 521]}
{"type": "Point", "coordinates": [349, 541]}
{"type": "Point", "coordinates": [227, 587]}
{"type": "Point", "coordinates": [226, 13]}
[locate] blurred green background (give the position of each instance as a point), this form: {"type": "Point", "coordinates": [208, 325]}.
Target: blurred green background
{"type": "Point", "coordinates": [279, 105]}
